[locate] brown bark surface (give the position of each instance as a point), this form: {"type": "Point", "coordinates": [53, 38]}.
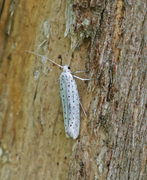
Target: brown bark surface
{"type": "Point", "coordinates": [111, 38]}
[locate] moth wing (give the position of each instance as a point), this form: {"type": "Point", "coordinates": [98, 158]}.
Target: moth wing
{"type": "Point", "coordinates": [70, 103]}
{"type": "Point", "coordinates": [63, 93]}
{"type": "Point", "coordinates": [73, 104]}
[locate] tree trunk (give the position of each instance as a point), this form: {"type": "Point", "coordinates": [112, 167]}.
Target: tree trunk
{"type": "Point", "coordinates": [108, 38]}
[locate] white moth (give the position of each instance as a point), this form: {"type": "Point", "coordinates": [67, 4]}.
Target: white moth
{"type": "Point", "coordinates": [70, 100]}
{"type": "Point", "coordinates": [70, 103]}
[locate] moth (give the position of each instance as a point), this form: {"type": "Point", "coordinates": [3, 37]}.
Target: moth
{"type": "Point", "coordinates": [70, 100]}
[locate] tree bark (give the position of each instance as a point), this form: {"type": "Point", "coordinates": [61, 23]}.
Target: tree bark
{"type": "Point", "coordinates": [109, 37]}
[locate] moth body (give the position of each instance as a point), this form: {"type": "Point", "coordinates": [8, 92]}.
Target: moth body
{"type": "Point", "coordinates": [70, 103]}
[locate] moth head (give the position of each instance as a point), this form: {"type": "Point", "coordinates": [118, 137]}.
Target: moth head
{"type": "Point", "coordinates": [66, 68]}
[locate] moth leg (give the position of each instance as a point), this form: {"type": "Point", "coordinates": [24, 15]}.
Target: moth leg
{"type": "Point", "coordinates": [81, 78]}
{"type": "Point", "coordinates": [83, 109]}
{"type": "Point", "coordinates": [42, 42]}
{"type": "Point", "coordinates": [77, 72]}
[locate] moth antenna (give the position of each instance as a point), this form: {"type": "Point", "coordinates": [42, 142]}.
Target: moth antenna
{"type": "Point", "coordinates": [44, 57]}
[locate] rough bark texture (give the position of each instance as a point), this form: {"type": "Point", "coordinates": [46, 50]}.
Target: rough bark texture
{"type": "Point", "coordinates": [111, 38]}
